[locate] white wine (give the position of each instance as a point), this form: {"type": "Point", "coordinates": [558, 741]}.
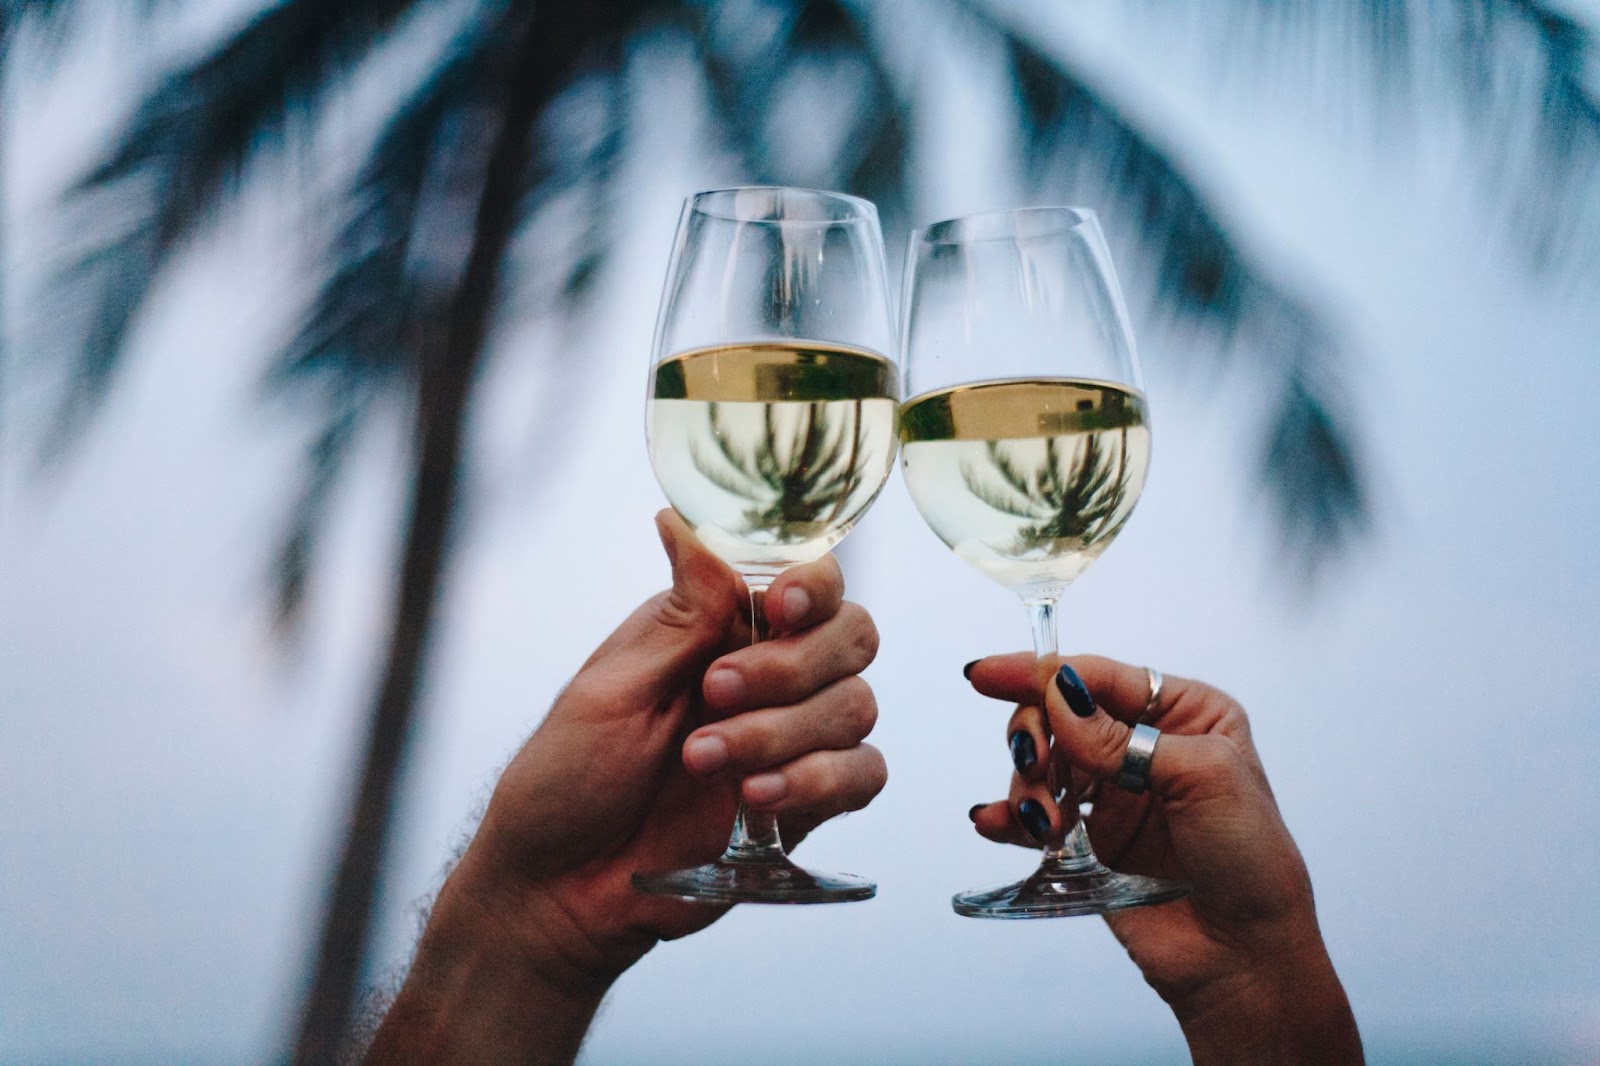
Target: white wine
{"type": "Point", "coordinates": [1028, 480]}
{"type": "Point", "coordinates": [771, 451]}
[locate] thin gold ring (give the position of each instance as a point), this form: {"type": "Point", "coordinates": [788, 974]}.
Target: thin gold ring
{"type": "Point", "coordinates": [1150, 705]}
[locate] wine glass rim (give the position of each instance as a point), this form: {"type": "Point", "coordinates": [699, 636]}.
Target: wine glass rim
{"type": "Point", "coordinates": [1003, 224]}
{"type": "Point", "coordinates": [865, 209]}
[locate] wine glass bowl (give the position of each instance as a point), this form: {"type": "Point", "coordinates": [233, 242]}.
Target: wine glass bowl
{"type": "Point", "coordinates": [772, 450]}
{"type": "Point", "coordinates": [1024, 446]}
{"type": "Point", "coordinates": [1027, 480]}
{"type": "Point", "coordinates": [772, 427]}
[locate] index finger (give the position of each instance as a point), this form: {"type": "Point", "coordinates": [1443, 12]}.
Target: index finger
{"type": "Point", "coordinates": [1206, 736]}
{"type": "Point", "coordinates": [804, 595]}
{"type": "Point", "coordinates": [1120, 689]}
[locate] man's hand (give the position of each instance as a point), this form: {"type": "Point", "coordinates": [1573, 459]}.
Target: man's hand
{"type": "Point", "coordinates": [639, 767]}
{"type": "Point", "coordinates": [1241, 960]}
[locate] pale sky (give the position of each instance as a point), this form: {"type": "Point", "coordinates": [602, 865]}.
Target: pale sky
{"type": "Point", "coordinates": [169, 785]}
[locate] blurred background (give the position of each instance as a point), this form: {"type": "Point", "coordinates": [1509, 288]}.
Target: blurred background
{"type": "Point", "coordinates": [322, 359]}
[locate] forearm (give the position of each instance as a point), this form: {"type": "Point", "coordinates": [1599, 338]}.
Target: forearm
{"type": "Point", "coordinates": [1292, 1009]}
{"type": "Point", "coordinates": [486, 988]}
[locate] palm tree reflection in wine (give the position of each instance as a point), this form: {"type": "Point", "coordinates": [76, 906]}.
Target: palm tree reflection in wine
{"type": "Point", "coordinates": [1081, 499]}
{"type": "Point", "coordinates": [800, 472]}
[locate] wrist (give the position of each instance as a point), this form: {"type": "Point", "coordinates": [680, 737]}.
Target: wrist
{"type": "Point", "coordinates": [499, 974]}
{"type": "Point", "coordinates": [1288, 1005]}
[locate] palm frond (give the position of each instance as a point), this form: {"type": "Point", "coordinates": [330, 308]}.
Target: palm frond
{"type": "Point", "coordinates": [185, 152]}
{"type": "Point", "coordinates": [755, 56]}
{"type": "Point", "coordinates": [877, 150]}
{"type": "Point", "coordinates": [743, 49]}
{"type": "Point", "coordinates": [373, 316]}
{"type": "Point", "coordinates": [571, 219]}
{"type": "Point", "coordinates": [207, 120]}
{"type": "Point", "coordinates": [49, 24]}
{"type": "Point", "coordinates": [578, 144]}
{"type": "Point", "coordinates": [1310, 460]}
{"type": "Point", "coordinates": [1075, 139]}
{"type": "Point", "coordinates": [47, 11]}
{"type": "Point", "coordinates": [294, 561]}
{"type": "Point", "coordinates": [1557, 199]}
{"type": "Point", "coordinates": [1516, 73]}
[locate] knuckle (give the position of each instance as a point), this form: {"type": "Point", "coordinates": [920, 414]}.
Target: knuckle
{"type": "Point", "coordinates": [877, 770]}
{"type": "Point", "coordinates": [822, 576]}
{"type": "Point", "coordinates": [822, 780]}
{"type": "Point", "coordinates": [869, 780]}
{"type": "Point", "coordinates": [673, 610]}
{"type": "Point", "coordinates": [699, 621]}
{"type": "Point", "coordinates": [1216, 757]}
{"type": "Point", "coordinates": [863, 632]}
{"type": "Point", "coordinates": [1234, 715]}
{"type": "Point", "coordinates": [860, 711]}
{"type": "Point", "coordinates": [1224, 709]}
{"type": "Point", "coordinates": [749, 739]}
{"type": "Point", "coordinates": [775, 666]}
{"type": "Point", "coordinates": [1029, 717]}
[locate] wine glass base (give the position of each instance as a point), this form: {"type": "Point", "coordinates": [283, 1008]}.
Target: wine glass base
{"type": "Point", "coordinates": [765, 881]}
{"type": "Point", "coordinates": [1051, 894]}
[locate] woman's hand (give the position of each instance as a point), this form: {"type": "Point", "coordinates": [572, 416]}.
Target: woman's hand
{"type": "Point", "coordinates": [1241, 960]}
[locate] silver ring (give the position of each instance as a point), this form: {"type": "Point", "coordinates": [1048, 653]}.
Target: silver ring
{"type": "Point", "coordinates": [1135, 775]}
{"type": "Point", "coordinates": [1154, 677]}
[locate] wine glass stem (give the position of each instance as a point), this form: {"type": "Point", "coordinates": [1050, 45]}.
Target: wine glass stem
{"type": "Point", "coordinates": [1074, 851]}
{"type": "Point", "coordinates": [1042, 615]}
{"type": "Point", "coordinates": [755, 833]}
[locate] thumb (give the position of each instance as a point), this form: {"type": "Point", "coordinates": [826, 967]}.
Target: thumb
{"type": "Point", "coordinates": [703, 586]}
{"type": "Point", "coordinates": [675, 634]}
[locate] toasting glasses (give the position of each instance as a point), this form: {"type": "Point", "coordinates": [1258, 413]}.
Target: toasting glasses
{"type": "Point", "coordinates": [771, 428]}
{"type": "Point", "coordinates": [1024, 445]}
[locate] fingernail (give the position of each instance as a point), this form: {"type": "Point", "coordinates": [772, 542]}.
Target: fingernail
{"type": "Point", "coordinates": [706, 755]}
{"type": "Point", "coordinates": [724, 688]}
{"type": "Point", "coordinates": [1023, 752]}
{"type": "Point", "coordinates": [966, 671]}
{"type": "Point", "coordinates": [796, 602]}
{"type": "Point", "coordinates": [765, 788]}
{"type": "Point", "coordinates": [1074, 691]}
{"type": "Point", "coordinates": [1034, 820]}
{"type": "Point", "coordinates": [972, 815]}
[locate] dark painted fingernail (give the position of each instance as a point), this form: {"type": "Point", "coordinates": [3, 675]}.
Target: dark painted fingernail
{"type": "Point", "coordinates": [972, 815]}
{"type": "Point", "coordinates": [1074, 692]}
{"type": "Point", "coordinates": [966, 671]}
{"type": "Point", "coordinates": [1023, 752]}
{"type": "Point", "coordinates": [1034, 820]}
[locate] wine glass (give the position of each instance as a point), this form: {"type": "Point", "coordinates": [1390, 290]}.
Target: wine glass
{"type": "Point", "coordinates": [772, 428]}
{"type": "Point", "coordinates": [1024, 446]}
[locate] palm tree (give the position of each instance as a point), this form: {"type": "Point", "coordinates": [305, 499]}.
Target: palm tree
{"type": "Point", "coordinates": [522, 121]}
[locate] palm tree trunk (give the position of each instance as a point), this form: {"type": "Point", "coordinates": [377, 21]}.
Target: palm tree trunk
{"type": "Point", "coordinates": [534, 66]}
